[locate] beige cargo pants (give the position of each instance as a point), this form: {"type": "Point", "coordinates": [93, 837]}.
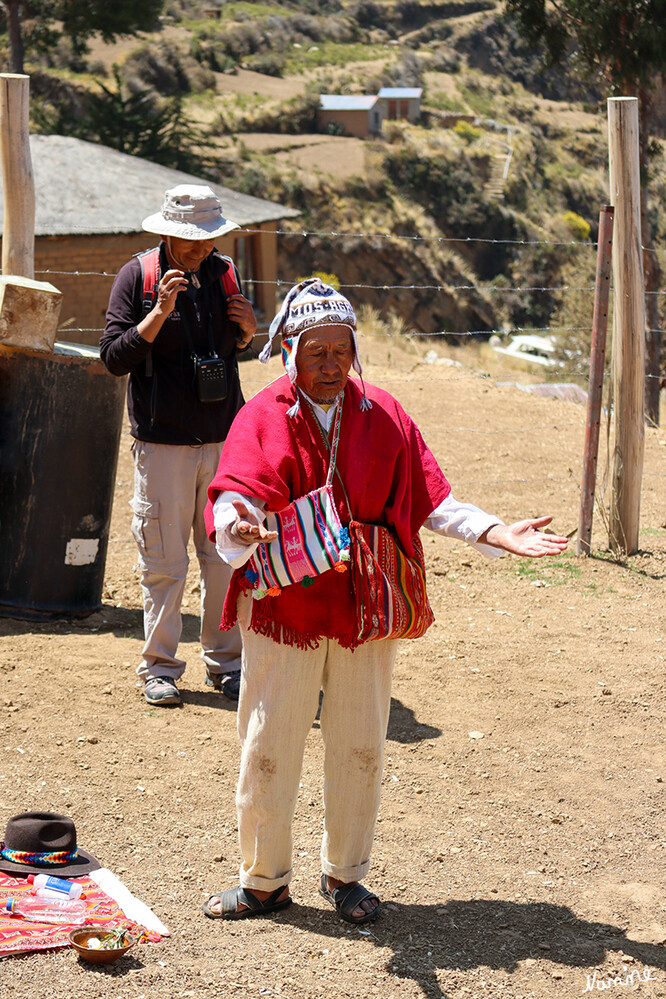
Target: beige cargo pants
{"type": "Point", "coordinates": [170, 494]}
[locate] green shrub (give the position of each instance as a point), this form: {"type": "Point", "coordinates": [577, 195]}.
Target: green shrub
{"type": "Point", "coordinates": [451, 192]}
{"type": "Point", "coordinates": [444, 60]}
{"type": "Point", "coordinates": [467, 131]}
{"type": "Point", "coordinates": [293, 118]}
{"type": "Point", "coordinates": [268, 63]}
{"type": "Point", "coordinates": [56, 106]}
{"type": "Point", "coordinates": [97, 68]}
{"type": "Point", "coordinates": [573, 311]}
{"type": "Point", "coordinates": [166, 69]}
{"type": "Point", "coordinates": [577, 226]}
{"type": "Point", "coordinates": [368, 14]}
{"type": "Point", "coordinates": [538, 267]}
{"type": "Point", "coordinates": [393, 132]}
{"type": "Point", "coordinates": [495, 46]}
{"type": "Point", "coordinates": [139, 123]}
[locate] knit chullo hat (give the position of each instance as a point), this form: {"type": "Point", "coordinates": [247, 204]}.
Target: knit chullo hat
{"type": "Point", "coordinates": [306, 306]}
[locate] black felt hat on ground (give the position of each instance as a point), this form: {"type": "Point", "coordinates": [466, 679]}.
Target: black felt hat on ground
{"type": "Point", "coordinates": [44, 843]}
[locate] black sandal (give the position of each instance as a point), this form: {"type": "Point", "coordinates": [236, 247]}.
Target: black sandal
{"type": "Point", "coordinates": [346, 898]}
{"type": "Point", "coordinates": [230, 900]}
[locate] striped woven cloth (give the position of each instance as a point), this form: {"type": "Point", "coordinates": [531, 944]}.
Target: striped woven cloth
{"type": "Point", "coordinates": [19, 935]}
{"type": "Point", "coordinates": [308, 541]}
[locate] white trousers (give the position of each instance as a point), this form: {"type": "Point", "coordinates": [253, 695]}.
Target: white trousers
{"type": "Point", "coordinates": [278, 703]}
{"type": "Point", "coordinates": [170, 494]}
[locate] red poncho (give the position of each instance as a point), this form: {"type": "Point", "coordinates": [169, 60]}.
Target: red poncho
{"type": "Point", "coordinates": [390, 476]}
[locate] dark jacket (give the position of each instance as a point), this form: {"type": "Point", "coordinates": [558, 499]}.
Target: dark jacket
{"type": "Point", "coordinates": [162, 404]}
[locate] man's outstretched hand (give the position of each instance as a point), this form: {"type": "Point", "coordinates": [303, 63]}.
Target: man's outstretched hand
{"type": "Point", "coordinates": [247, 528]}
{"type": "Point", "coordinates": [525, 538]}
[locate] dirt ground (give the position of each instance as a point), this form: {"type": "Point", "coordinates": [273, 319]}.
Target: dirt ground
{"type": "Point", "coordinates": [520, 845]}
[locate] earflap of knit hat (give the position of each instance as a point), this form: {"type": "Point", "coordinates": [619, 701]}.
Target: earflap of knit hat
{"type": "Point", "coordinates": [356, 363]}
{"type": "Point", "coordinates": [289, 350]}
{"type": "Point", "coordinates": [278, 321]}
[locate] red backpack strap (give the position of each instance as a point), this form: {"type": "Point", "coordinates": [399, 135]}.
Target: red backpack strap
{"type": "Point", "coordinates": [150, 277]}
{"type": "Point", "coordinates": [150, 272]}
{"type": "Point", "coordinates": [229, 280]}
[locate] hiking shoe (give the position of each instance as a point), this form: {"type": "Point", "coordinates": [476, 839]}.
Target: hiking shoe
{"type": "Point", "coordinates": [227, 683]}
{"type": "Point", "coordinates": [161, 690]}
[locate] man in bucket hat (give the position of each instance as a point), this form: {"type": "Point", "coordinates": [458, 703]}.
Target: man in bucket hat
{"type": "Point", "coordinates": [302, 636]}
{"type": "Point", "coordinates": [175, 321]}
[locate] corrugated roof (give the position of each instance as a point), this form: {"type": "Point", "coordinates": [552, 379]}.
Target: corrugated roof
{"type": "Point", "coordinates": [346, 102]}
{"type": "Point", "coordinates": [403, 92]}
{"type": "Point", "coordinates": [82, 187]}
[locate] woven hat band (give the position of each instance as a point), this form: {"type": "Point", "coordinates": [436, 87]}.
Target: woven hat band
{"type": "Point", "coordinates": [25, 857]}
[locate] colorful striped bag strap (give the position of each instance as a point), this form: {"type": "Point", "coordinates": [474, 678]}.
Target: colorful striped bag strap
{"type": "Point", "coordinates": [332, 448]}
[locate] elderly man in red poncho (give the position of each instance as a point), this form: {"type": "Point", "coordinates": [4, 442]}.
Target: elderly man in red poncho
{"type": "Point", "coordinates": [301, 639]}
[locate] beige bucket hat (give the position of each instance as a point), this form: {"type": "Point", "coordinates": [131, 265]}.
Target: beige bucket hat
{"type": "Point", "coordinates": [190, 211]}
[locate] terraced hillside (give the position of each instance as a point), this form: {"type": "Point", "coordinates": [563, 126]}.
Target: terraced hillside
{"type": "Point", "coordinates": [473, 220]}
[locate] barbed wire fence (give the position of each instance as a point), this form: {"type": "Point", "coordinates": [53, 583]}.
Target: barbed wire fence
{"type": "Point", "coordinates": [284, 282]}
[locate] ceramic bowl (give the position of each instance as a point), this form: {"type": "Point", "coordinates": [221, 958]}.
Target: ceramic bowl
{"type": "Point", "coordinates": [79, 939]}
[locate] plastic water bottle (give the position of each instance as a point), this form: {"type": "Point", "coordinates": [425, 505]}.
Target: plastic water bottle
{"type": "Point", "coordinates": [50, 887]}
{"type": "Point", "coordinates": [47, 910]}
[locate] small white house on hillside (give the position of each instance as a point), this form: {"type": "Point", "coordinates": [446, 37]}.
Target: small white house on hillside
{"type": "Point", "coordinates": [362, 115]}
{"type": "Point", "coordinates": [345, 114]}
{"type": "Point", "coordinates": [400, 102]}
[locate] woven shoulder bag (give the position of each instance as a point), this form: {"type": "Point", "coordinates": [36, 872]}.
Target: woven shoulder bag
{"type": "Point", "coordinates": [310, 537]}
{"type": "Point", "coordinates": [389, 586]}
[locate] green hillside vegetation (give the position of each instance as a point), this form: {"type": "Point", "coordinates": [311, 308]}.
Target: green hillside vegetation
{"type": "Point", "coordinates": [430, 206]}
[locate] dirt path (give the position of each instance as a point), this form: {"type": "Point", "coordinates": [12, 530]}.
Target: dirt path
{"type": "Point", "coordinates": [520, 847]}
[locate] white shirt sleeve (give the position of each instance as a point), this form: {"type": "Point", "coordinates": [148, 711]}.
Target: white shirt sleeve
{"type": "Point", "coordinates": [453, 519]}
{"type": "Point", "coordinates": [465, 522]}
{"type": "Point", "coordinates": [230, 549]}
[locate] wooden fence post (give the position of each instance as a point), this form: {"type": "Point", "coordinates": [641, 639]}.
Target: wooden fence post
{"type": "Point", "coordinates": [596, 382]}
{"type": "Point", "coordinates": [18, 237]}
{"type": "Point", "coordinates": [628, 356]}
